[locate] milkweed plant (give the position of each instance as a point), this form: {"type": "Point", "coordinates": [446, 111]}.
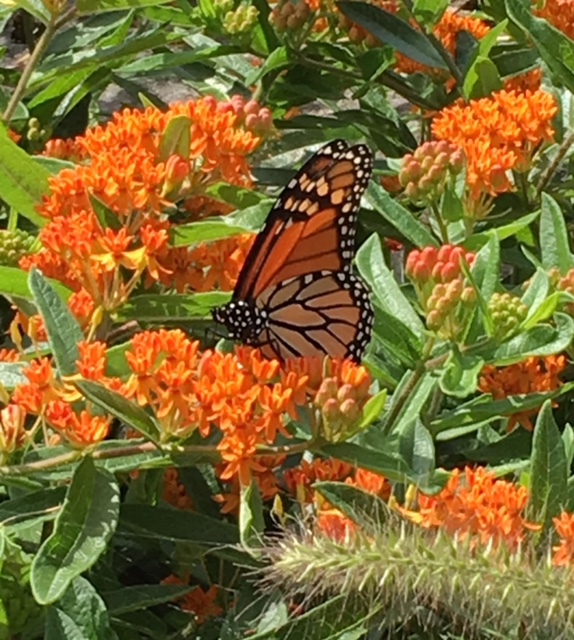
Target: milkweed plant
{"type": "Point", "coordinates": [158, 480]}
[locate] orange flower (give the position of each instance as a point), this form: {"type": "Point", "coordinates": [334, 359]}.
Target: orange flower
{"type": "Point", "coordinates": [201, 603]}
{"type": "Point", "coordinates": [41, 389]}
{"type": "Point", "coordinates": [79, 430]}
{"type": "Point", "coordinates": [371, 482]}
{"type": "Point", "coordinates": [197, 601]}
{"type": "Point", "coordinates": [9, 355]}
{"type": "Point", "coordinates": [481, 508]}
{"type": "Point", "coordinates": [13, 435]}
{"type": "Point", "coordinates": [299, 479]}
{"type": "Point", "coordinates": [528, 376]}
{"type": "Point", "coordinates": [497, 133]}
{"type": "Point", "coordinates": [335, 525]}
{"type": "Point", "coordinates": [559, 13]}
{"type": "Point", "coordinates": [174, 491]}
{"type": "Point", "coordinates": [564, 552]}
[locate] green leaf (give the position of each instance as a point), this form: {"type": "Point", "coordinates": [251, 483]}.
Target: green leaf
{"type": "Point", "coordinates": [23, 181]}
{"type": "Point", "coordinates": [81, 532]}
{"type": "Point", "coordinates": [373, 409]}
{"type": "Point", "coordinates": [36, 8]}
{"type": "Point", "coordinates": [481, 79]}
{"type": "Point", "coordinates": [460, 373]}
{"type": "Point", "coordinates": [277, 59]}
{"type": "Point", "coordinates": [154, 308]}
{"type": "Point", "coordinates": [363, 507]}
{"type": "Point", "coordinates": [14, 282]}
{"type": "Point", "coordinates": [392, 467]}
{"type": "Point", "coordinates": [478, 240]}
{"type": "Point", "coordinates": [371, 264]}
{"type": "Point", "coordinates": [36, 504]}
{"type": "Point", "coordinates": [251, 523]}
{"type": "Point", "coordinates": [554, 47]}
{"type": "Point", "coordinates": [217, 227]}
{"type": "Point", "coordinates": [116, 405]}
{"type": "Point", "coordinates": [390, 29]}
{"type": "Point", "coordinates": [483, 409]}
{"type": "Point", "coordinates": [554, 248]}
{"type": "Point", "coordinates": [485, 269]}
{"type": "Point", "coordinates": [399, 217]}
{"type": "Point", "coordinates": [429, 12]}
{"type": "Point", "coordinates": [417, 449]}
{"type": "Point", "coordinates": [79, 614]}
{"type": "Point", "coordinates": [568, 440]}
{"type": "Point", "coordinates": [106, 217]}
{"type": "Point", "coordinates": [142, 596]}
{"type": "Point", "coordinates": [417, 399]}
{"type": "Point", "coordinates": [536, 292]}
{"type": "Point", "coordinates": [62, 328]}
{"type": "Point", "coordinates": [540, 340]}
{"type": "Point", "coordinates": [549, 473]}
{"type": "Point", "coordinates": [175, 138]}
{"type": "Point", "coordinates": [99, 6]}
{"type": "Point", "coordinates": [11, 374]}
{"type": "Point", "coordinates": [396, 338]}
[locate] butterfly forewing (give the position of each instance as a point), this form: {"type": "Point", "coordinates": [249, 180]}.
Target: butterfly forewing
{"type": "Point", "coordinates": [312, 225]}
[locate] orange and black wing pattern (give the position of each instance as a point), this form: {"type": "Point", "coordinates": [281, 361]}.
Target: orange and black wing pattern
{"type": "Point", "coordinates": [318, 314]}
{"type": "Point", "coordinates": [311, 227]}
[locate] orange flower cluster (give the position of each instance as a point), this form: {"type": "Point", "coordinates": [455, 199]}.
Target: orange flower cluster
{"type": "Point", "coordinates": [139, 167]}
{"type": "Point", "coordinates": [54, 401]}
{"type": "Point", "coordinates": [202, 604]}
{"type": "Point", "coordinates": [497, 134]}
{"type": "Point", "coordinates": [559, 13]}
{"type": "Point", "coordinates": [478, 507]}
{"type": "Point", "coordinates": [564, 551]}
{"type": "Point", "coordinates": [446, 30]}
{"type": "Point", "coordinates": [528, 376]}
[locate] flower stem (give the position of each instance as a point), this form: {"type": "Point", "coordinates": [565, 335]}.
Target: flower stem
{"type": "Point", "coordinates": [406, 391]}
{"type": "Point", "coordinates": [52, 27]}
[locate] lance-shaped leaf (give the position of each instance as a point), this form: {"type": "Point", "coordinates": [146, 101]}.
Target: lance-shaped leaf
{"type": "Point", "coordinates": [116, 405]}
{"type": "Point", "coordinates": [81, 532]}
{"type": "Point", "coordinates": [251, 522]}
{"type": "Point", "coordinates": [80, 613]}
{"type": "Point", "coordinates": [549, 473]}
{"type": "Point", "coordinates": [23, 181]}
{"type": "Point", "coordinates": [391, 29]}
{"type": "Point", "coordinates": [62, 328]}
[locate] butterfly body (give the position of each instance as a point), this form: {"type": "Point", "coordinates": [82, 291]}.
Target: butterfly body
{"type": "Point", "coordinates": [296, 295]}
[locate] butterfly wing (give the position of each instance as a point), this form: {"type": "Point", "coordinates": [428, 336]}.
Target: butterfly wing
{"type": "Point", "coordinates": [317, 314]}
{"type": "Point", "coordinates": [311, 227]}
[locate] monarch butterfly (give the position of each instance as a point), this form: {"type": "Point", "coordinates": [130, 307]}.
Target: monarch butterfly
{"type": "Point", "coordinates": [296, 295]}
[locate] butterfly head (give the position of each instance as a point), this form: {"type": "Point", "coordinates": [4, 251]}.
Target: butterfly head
{"type": "Point", "coordinates": [244, 321]}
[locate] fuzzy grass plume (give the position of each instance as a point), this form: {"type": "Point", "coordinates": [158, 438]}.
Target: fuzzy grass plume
{"type": "Point", "coordinates": [404, 577]}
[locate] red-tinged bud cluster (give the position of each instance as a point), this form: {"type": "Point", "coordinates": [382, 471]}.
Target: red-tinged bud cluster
{"type": "Point", "coordinates": [290, 15]}
{"type": "Point", "coordinates": [340, 406]}
{"type": "Point", "coordinates": [508, 312]}
{"type": "Point", "coordinates": [439, 281]}
{"type": "Point", "coordinates": [437, 265]}
{"type": "Point", "coordinates": [252, 115]}
{"type": "Point", "coordinates": [426, 171]}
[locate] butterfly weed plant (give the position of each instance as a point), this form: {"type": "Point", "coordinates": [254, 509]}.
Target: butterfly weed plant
{"type": "Point", "coordinates": [378, 195]}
